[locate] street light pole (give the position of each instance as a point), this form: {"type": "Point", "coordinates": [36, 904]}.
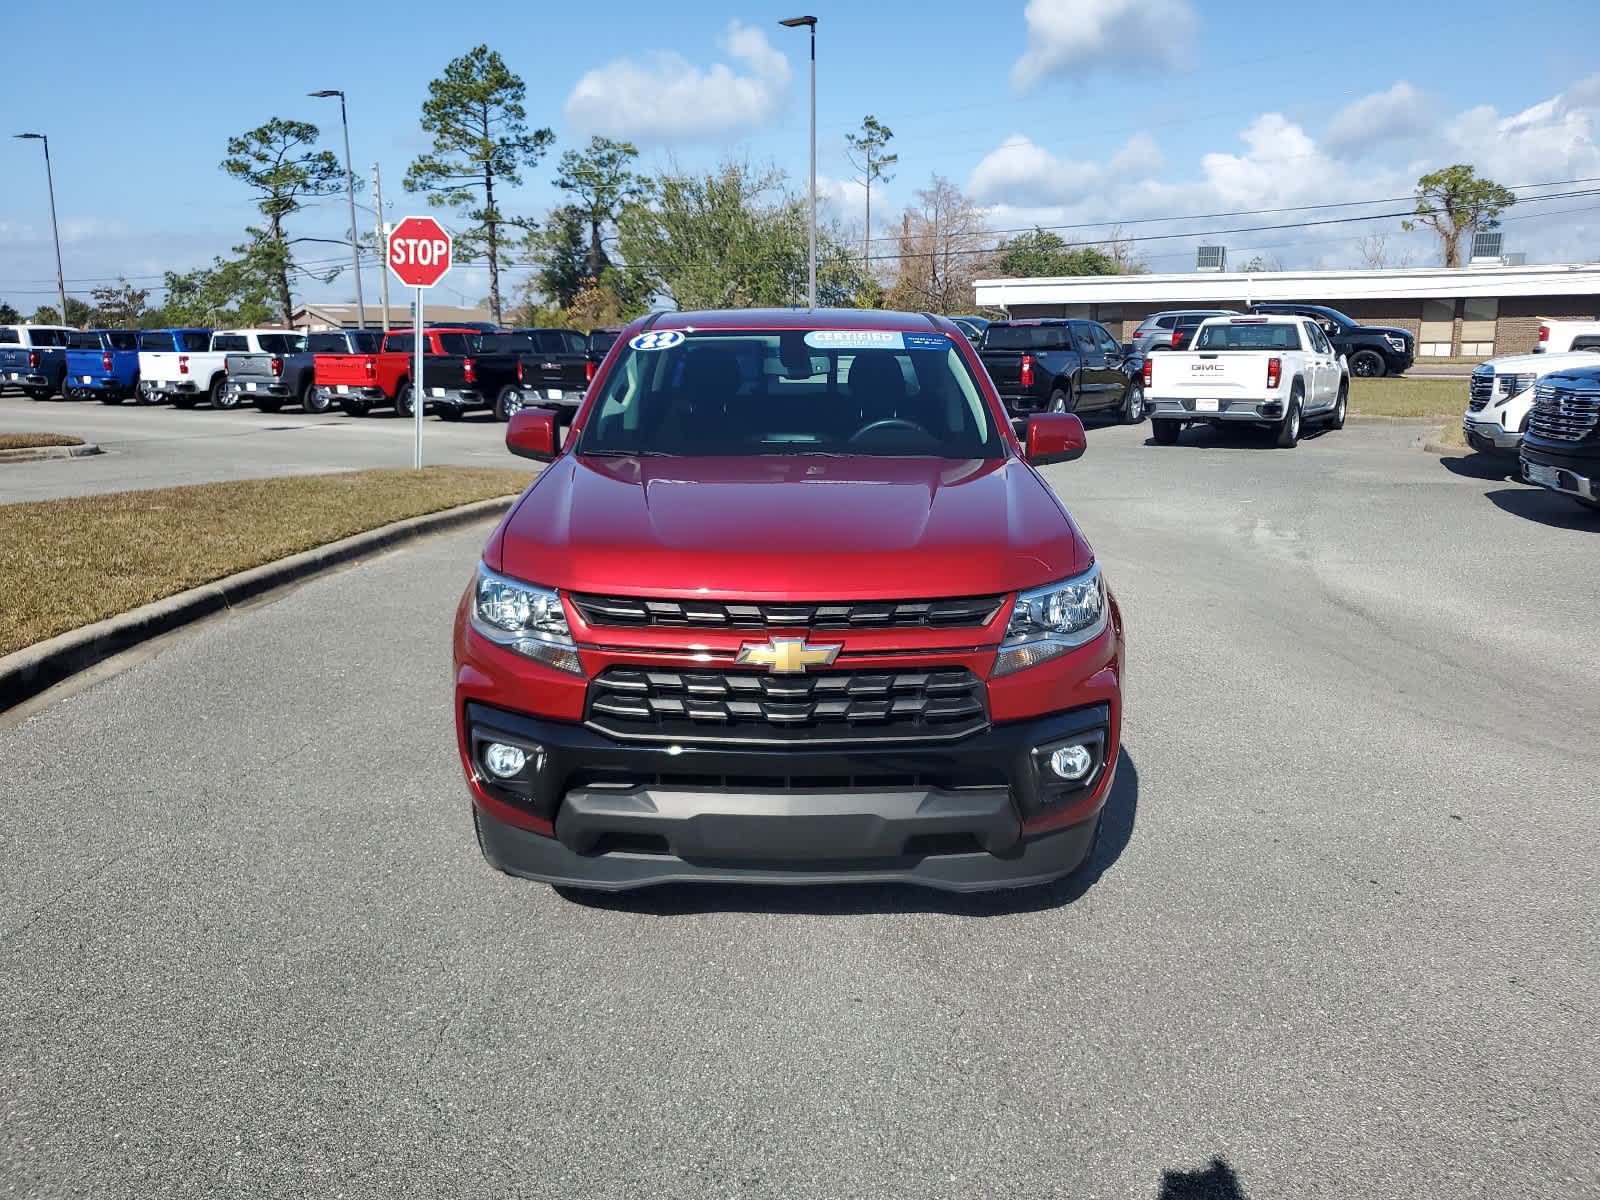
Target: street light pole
{"type": "Point", "coordinates": [55, 229]}
{"type": "Point", "coordinates": [811, 23]}
{"type": "Point", "coordinates": [350, 191]}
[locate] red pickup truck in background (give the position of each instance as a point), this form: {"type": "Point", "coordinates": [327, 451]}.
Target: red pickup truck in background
{"type": "Point", "coordinates": [358, 383]}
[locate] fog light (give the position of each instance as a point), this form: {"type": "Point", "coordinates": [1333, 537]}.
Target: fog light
{"type": "Point", "coordinates": [1072, 763]}
{"type": "Point", "coordinates": [503, 760]}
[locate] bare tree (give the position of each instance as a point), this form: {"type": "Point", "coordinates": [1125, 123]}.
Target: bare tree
{"type": "Point", "coordinates": [1374, 252]}
{"type": "Point", "coordinates": [1124, 253]}
{"type": "Point", "coordinates": [943, 249]}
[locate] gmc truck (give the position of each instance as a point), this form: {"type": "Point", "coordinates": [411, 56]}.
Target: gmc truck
{"type": "Point", "coordinates": [791, 604]}
{"type": "Point", "coordinates": [102, 363]}
{"type": "Point", "coordinates": [34, 358]}
{"type": "Point", "coordinates": [1060, 366]}
{"type": "Point", "coordinates": [1501, 394]}
{"type": "Point", "coordinates": [1277, 372]}
{"type": "Point", "coordinates": [1561, 450]}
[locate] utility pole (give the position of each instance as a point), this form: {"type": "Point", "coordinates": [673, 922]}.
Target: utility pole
{"type": "Point", "coordinates": [55, 229]}
{"type": "Point", "coordinates": [810, 23]}
{"type": "Point", "coordinates": [350, 192]}
{"type": "Point", "coordinates": [383, 243]}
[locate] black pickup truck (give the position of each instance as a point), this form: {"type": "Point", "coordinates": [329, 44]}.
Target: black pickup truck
{"type": "Point", "coordinates": [1056, 365]}
{"type": "Point", "coordinates": [462, 369]}
{"type": "Point", "coordinates": [555, 367]}
{"type": "Point", "coordinates": [1372, 351]}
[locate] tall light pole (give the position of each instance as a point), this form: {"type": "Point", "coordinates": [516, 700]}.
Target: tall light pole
{"type": "Point", "coordinates": [811, 23]}
{"type": "Point", "coordinates": [350, 190]}
{"type": "Point", "coordinates": [49, 178]}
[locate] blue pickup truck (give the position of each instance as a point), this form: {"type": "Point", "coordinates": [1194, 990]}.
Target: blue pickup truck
{"type": "Point", "coordinates": [104, 364]}
{"type": "Point", "coordinates": [34, 358]}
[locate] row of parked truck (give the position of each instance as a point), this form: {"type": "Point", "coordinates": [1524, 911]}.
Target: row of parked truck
{"type": "Point", "coordinates": [356, 370]}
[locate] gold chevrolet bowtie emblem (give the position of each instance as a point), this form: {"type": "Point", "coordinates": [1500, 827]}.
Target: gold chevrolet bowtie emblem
{"type": "Point", "coordinates": [787, 656]}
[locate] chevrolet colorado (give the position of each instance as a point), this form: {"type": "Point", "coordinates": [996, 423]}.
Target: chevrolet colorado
{"type": "Point", "coordinates": [790, 604]}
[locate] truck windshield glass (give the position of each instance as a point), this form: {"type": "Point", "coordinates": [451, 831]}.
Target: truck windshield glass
{"type": "Point", "coordinates": [1027, 337]}
{"type": "Point", "coordinates": [282, 343]}
{"type": "Point", "coordinates": [123, 341]}
{"type": "Point", "coordinates": [1248, 337]}
{"type": "Point", "coordinates": [193, 340]}
{"type": "Point", "coordinates": [735, 393]}
{"type": "Point", "coordinates": [83, 341]}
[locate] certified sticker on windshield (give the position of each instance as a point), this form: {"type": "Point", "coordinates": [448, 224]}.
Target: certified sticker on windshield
{"type": "Point", "coordinates": [855, 339]}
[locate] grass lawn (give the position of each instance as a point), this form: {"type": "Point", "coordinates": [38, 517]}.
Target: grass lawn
{"type": "Point", "coordinates": [1417, 397]}
{"type": "Point", "coordinates": [32, 441]}
{"type": "Point", "coordinates": [66, 563]}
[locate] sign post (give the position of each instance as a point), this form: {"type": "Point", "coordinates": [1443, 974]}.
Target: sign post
{"type": "Point", "coordinates": [420, 251]}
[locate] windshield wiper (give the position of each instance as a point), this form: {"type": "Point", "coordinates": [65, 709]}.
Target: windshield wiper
{"type": "Point", "coordinates": [625, 454]}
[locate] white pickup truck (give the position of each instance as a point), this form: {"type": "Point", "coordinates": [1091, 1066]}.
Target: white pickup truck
{"type": "Point", "coordinates": [186, 378]}
{"type": "Point", "coordinates": [1276, 371]}
{"type": "Point", "coordinates": [1558, 337]}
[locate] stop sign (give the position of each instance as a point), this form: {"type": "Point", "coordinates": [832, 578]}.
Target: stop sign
{"type": "Point", "coordinates": [419, 251]}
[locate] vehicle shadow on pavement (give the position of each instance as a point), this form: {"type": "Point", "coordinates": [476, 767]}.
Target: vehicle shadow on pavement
{"type": "Point", "coordinates": [1491, 468]}
{"type": "Point", "coordinates": [1237, 437]}
{"type": "Point", "coordinates": [1545, 507]}
{"type": "Point", "coordinates": [1116, 831]}
{"type": "Point", "coordinates": [1218, 1181]}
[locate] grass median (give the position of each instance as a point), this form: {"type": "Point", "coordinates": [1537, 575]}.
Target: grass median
{"type": "Point", "coordinates": [37, 441]}
{"type": "Point", "coordinates": [67, 563]}
{"type": "Point", "coordinates": [1419, 397]}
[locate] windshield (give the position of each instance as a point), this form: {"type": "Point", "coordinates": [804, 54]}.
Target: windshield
{"type": "Point", "coordinates": [601, 340]}
{"type": "Point", "coordinates": [741, 392]}
{"type": "Point", "coordinates": [1229, 336]}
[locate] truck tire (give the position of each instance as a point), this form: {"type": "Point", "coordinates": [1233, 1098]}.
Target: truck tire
{"type": "Point", "coordinates": [1368, 364]}
{"type": "Point", "coordinates": [1133, 403]}
{"type": "Point", "coordinates": [403, 400]}
{"type": "Point", "coordinates": [1165, 431]}
{"type": "Point", "coordinates": [314, 400]}
{"type": "Point", "coordinates": [1289, 426]}
{"type": "Point", "coordinates": [1060, 400]}
{"type": "Point", "coordinates": [219, 399]}
{"type": "Point", "coordinates": [507, 403]}
{"type": "Point", "coordinates": [1340, 406]}
{"type": "Point", "coordinates": [355, 408]}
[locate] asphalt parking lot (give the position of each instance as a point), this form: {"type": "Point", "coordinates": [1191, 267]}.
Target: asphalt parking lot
{"type": "Point", "coordinates": [161, 446]}
{"type": "Point", "coordinates": [1341, 938]}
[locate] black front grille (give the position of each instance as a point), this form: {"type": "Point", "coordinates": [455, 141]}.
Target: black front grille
{"type": "Point", "coordinates": [961, 612]}
{"type": "Point", "coordinates": [867, 706]}
{"type": "Point", "coordinates": [1564, 414]}
{"type": "Point", "coordinates": [1480, 390]}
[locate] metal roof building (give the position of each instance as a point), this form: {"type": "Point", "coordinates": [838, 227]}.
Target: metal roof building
{"type": "Point", "coordinates": [1475, 311]}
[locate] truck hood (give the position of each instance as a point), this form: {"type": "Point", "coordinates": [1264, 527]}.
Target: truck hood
{"type": "Point", "coordinates": [1542, 364]}
{"type": "Point", "coordinates": [1389, 329]}
{"type": "Point", "coordinates": [795, 527]}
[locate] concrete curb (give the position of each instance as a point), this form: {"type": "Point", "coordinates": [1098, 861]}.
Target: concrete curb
{"type": "Point", "coordinates": [36, 453]}
{"type": "Point", "coordinates": [1432, 447]}
{"type": "Point", "coordinates": [31, 670]}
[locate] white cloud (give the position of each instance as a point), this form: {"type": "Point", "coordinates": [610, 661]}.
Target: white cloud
{"type": "Point", "coordinates": [1364, 125]}
{"type": "Point", "coordinates": [1081, 35]}
{"type": "Point", "coordinates": [1019, 171]}
{"type": "Point", "coordinates": [663, 97]}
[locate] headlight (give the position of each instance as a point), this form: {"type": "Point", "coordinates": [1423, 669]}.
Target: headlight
{"type": "Point", "coordinates": [1049, 621]}
{"type": "Point", "coordinates": [1513, 385]}
{"type": "Point", "coordinates": [524, 618]}
{"type": "Point", "coordinates": [1396, 343]}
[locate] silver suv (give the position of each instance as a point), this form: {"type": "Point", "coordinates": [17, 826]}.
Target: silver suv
{"type": "Point", "coordinates": [1172, 330]}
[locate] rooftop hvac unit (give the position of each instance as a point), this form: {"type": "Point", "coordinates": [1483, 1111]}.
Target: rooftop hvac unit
{"type": "Point", "coordinates": [1211, 258]}
{"type": "Point", "coordinates": [1486, 247]}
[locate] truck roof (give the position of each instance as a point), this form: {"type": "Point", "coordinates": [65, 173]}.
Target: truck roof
{"type": "Point", "coordinates": [789, 318]}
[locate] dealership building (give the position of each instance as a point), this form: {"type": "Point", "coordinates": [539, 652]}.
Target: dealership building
{"type": "Point", "coordinates": [1474, 312]}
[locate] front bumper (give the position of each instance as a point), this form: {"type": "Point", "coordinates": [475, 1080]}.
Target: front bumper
{"type": "Point", "coordinates": [949, 815]}
{"type": "Point", "coordinates": [1571, 473]}
{"type": "Point", "coordinates": [1489, 436]}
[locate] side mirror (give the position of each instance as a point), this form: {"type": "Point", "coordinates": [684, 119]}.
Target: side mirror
{"type": "Point", "coordinates": [1054, 438]}
{"type": "Point", "coordinates": [533, 434]}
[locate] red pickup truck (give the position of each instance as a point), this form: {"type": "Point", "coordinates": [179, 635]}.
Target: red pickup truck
{"type": "Point", "coordinates": [791, 603]}
{"type": "Point", "coordinates": [358, 383]}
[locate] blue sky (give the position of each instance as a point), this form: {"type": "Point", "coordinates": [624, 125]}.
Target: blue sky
{"type": "Point", "coordinates": [1052, 111]}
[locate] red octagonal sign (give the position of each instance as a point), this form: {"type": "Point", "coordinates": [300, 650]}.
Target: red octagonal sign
{"type": "Point", "coordinates": [419, 251]}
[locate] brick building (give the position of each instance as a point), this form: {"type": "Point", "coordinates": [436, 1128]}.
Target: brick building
{"type": "Point", "coordinates": [1473, 312]}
